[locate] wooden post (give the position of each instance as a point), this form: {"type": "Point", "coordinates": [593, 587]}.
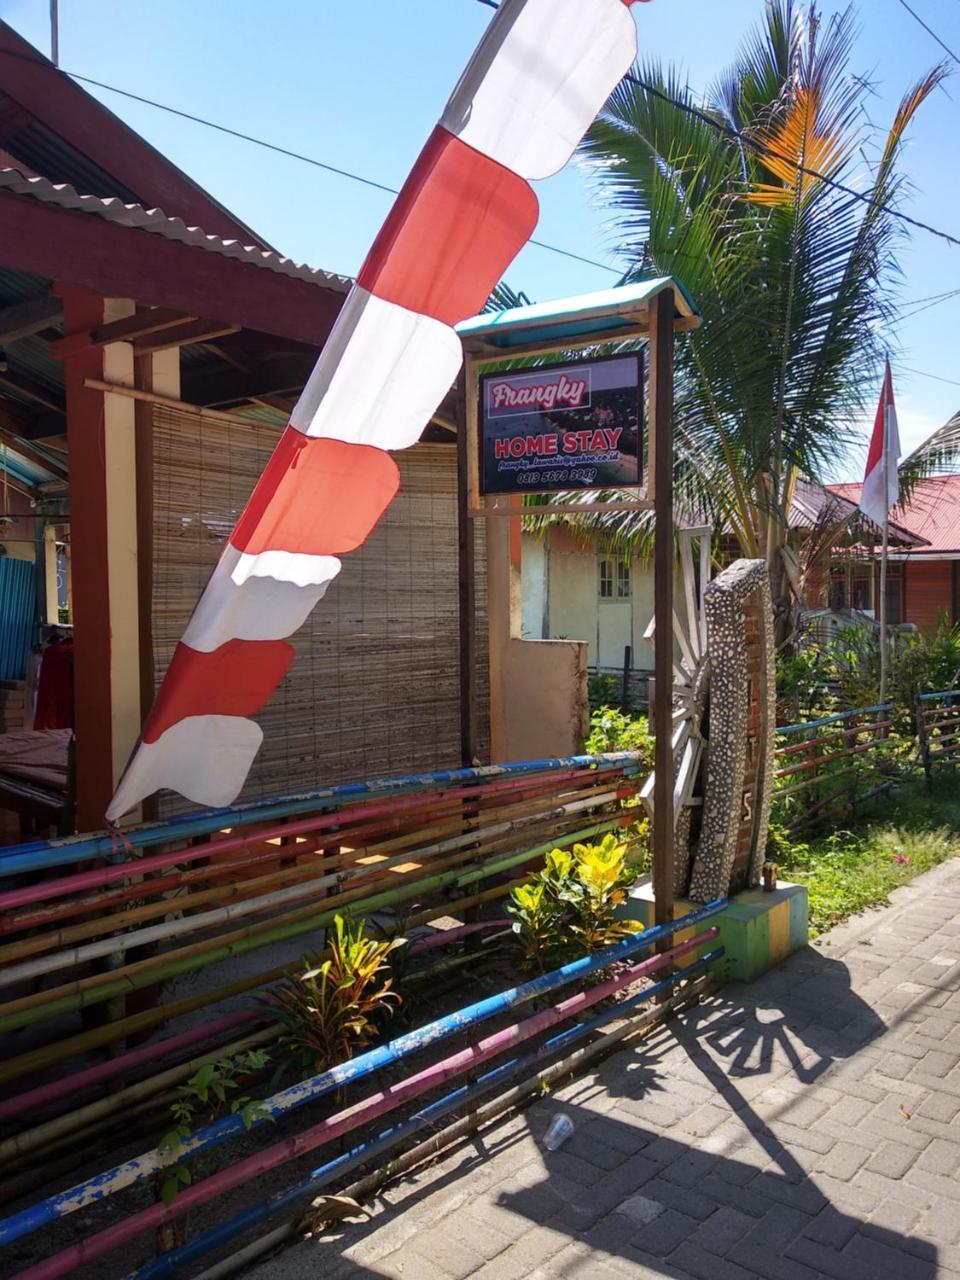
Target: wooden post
{"type": "Point", "coordinates": [660, 400]}
{"type": "Point", "coordinates": [143, 429]}
{"type": "Point", "coordinates": [467, 569]}
{"type": "Point", "coordinates": [103, 504]}
{"type": "Point", "coordinates": [51, 614]}
{"type": "Point", "coordinates": [625, 691]}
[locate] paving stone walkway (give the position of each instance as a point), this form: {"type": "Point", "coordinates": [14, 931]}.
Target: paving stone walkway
{"type": "Point", "coordinates": [804, 1126]}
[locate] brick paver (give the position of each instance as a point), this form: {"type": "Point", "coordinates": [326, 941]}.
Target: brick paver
{"type": "Point", "coordinates": [805, 1126]}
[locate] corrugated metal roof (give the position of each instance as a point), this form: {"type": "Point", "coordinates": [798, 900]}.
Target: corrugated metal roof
{"type": "Point", "coordinates": [932, 514]}
{"type": "Point", "coordinates": [17, 286]}
{"type": "Point", "coordinates": [157, 223]}
{"type": "Point", "coordinates": [25, 469]}
{"type": "Point", "coordinates": [43, 151]}
{"type": "Point", "coordinates": [583, 316]}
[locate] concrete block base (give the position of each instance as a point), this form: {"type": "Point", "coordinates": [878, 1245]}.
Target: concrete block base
{"type": "Point", "coordinates": [757, 929]}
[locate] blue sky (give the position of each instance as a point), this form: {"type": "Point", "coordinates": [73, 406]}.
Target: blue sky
{"type": "Point", "coordinates": [359, 86]}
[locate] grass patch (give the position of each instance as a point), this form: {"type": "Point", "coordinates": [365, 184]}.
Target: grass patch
{"type": "Point", "coordinates": [847, 871]}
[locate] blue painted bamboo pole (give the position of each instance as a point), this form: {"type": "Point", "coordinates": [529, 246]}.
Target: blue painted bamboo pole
{"type": "Point", "coordinates": [105, 1184]}
{"type": "Point", "coordinates": [170, 1263]}
{"type": "Point", "coordinates": [41, 854]}
{"type": "Point", "coordinates": [840, 715]}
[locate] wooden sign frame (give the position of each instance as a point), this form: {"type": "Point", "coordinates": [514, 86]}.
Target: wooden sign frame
{"type": "Point", "coordinates": [479, 507]}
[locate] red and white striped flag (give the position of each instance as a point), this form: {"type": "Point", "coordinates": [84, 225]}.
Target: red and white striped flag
{"type": "Point", "coordinates": [881, 486]}
{"type": "Point", "coordinates": [542, 71]}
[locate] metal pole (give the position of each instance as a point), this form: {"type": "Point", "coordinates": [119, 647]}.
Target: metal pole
{"type": "Point", "coordinates": [467, 570]}
{"type": "Point", "coordinates": [661, 429]}
{"type": "Point", "coordinates": [54, 33]}
{"type": "Point", "coordinates": [883, 554]}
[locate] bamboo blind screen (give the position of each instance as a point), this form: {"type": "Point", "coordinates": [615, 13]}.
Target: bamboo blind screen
{"type": "Point", "coordinates": [374, 687]}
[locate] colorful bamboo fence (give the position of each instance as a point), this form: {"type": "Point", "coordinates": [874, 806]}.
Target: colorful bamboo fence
{"type": "Point", "coordinates": [187, 921]}
{"type": "Point", "coordinates": [825, 767]}
{"type": "Point", "coordinates": [130, 1220]}
{"type": "Point", "coordinates": [938, 728]}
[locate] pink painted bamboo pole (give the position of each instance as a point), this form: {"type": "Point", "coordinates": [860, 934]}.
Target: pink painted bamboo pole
{"type": "Point", "coordinates": [77, 1080]}
{"type": "Point", "coordinates": [444, 937]}
{"type": "Point", "coordinates": [368, 1109]}
{"type": "Point", "coordinates": [100, 876]}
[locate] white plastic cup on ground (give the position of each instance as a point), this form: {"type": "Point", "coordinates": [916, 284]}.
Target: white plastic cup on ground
{"type": "Point", "coordinates": [560, 1129]}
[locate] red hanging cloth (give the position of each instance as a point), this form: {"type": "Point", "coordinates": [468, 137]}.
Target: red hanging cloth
{"type": "Point", "coordinates": [55, 689]}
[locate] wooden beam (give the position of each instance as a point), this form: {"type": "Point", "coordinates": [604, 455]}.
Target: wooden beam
{"type": "Point", "coordinates": [196, 331]}
{"type": "Point", "coordinates": [93, 701]}
{"type": "Point", "coordinates": [20, 486]}
{"type": "Point", "coordinates": [181, 406]}
{"type": "Point", "coordinates": [26, 318]}
{"type": "Point", "coordinates": [282, 404]}
{"type": "Point", "coordinates": [32, 390]}
{"type": "Point", "coordinates": [13, 441]}
{"type": "Point", "coordinates": [231, 357]}
{"type": "Point", "coordinates": [661, 465]}
{"type": "Point", "coordinates": [40, 426]}
{"type": "Point", "coordinates": [150, 320]}
{"type": "Point", "coordinates": [123, 262]}
{"type": "Point", "coordinates": [143, 428]}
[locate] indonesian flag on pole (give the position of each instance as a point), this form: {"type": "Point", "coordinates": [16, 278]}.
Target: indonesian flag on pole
{"type": "Point", "coordinates": [881, 486]}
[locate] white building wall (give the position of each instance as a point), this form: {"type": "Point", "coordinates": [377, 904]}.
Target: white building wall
{"type": "Point", "coordinates": [561, 599]}
{"type": "Point", "coordinates": [533, 578]}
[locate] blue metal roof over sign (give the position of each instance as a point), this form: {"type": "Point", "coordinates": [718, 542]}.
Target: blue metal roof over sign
{"type": "Point", "coordinates": [608, 311]}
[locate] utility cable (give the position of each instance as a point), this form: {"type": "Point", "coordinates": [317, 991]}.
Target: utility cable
{"type": "Point", "coordinates": [295, 155]}
{"type": "Point", "coordinates": [930, 31]}
{"type": "Point", "coordinates": [762, 149]}
{"type": "Point", "coordinates": [765, 150]}
{"type": "Point", "coordinates": [922, 373]}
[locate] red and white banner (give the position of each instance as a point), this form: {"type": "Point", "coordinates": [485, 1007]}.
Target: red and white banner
{"type": "Point", "coordinates": [881, 485]}
{"type": "Point", "coordinates": [541, 73]}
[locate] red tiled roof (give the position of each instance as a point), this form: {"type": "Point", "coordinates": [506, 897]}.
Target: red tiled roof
{"type": "Point", "coordinates": [933, 512]}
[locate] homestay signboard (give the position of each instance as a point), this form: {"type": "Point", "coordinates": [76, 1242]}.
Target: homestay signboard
{"type": "Point", "coordinates": [561, 427]}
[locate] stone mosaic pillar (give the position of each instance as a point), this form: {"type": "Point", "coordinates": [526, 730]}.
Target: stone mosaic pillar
{"type": "Point", "coordinates": [739, 769]}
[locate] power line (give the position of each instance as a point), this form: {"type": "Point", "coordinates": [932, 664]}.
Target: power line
{"type": "Point", "coordinates": [930, 31]}
{"type": "Point", "coordinates": [296, 155]}
{"type": "Point", "coordinates": [936, 301]}
{"type": "Point", "coordinates": [765, 150]}
{"type": "Point", "coordinates": [922, 373]}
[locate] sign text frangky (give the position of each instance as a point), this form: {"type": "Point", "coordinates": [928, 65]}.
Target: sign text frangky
{"type": "Point", "coordinates": [555, 393]}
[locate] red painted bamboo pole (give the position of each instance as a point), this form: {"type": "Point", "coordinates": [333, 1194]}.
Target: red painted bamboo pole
{"type": "Point", "coordinates": [360, 1113]}
{"type": "Point", "coordinates": [100, 876]}
{"type": "Point", "coordinates": [77, 1080]}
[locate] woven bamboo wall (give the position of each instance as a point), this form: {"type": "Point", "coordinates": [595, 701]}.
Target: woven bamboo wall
{"type": "Point", "coordinates": [374, 687]}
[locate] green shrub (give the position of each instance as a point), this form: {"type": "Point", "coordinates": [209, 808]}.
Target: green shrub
{"type": "Point", "coordinates": [847, 871]}
{"type": "Point", "coordinates": [612, 730]}
{"type": "Point", "coordinates": [568, 909]}
{"type": "Point", "coordinates": [602, 690]}
{"type": "Point", "coordinates": [330, 1011]}
{"type": "Point", "coordinates": [205, 1096]}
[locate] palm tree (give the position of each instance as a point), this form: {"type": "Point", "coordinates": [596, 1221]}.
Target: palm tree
{"type": "Point", "coordinates": [770, 199]}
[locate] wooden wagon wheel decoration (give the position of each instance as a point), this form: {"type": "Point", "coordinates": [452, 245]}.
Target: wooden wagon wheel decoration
{"type": "Point", "coordinates": [691, 678]}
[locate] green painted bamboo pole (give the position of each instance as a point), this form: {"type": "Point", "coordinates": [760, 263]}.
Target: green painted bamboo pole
{"type": "Point", "coordinates": [97, 982]}
{"type": "Point", "coordinates": [148, 973]}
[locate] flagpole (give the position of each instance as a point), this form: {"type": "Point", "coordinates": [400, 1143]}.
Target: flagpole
{"type": "Point", "coordinates": [883, 554]}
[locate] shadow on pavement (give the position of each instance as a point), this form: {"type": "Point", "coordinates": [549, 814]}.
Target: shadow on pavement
{"type": "Point", "coordinates": [670, 1171]}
